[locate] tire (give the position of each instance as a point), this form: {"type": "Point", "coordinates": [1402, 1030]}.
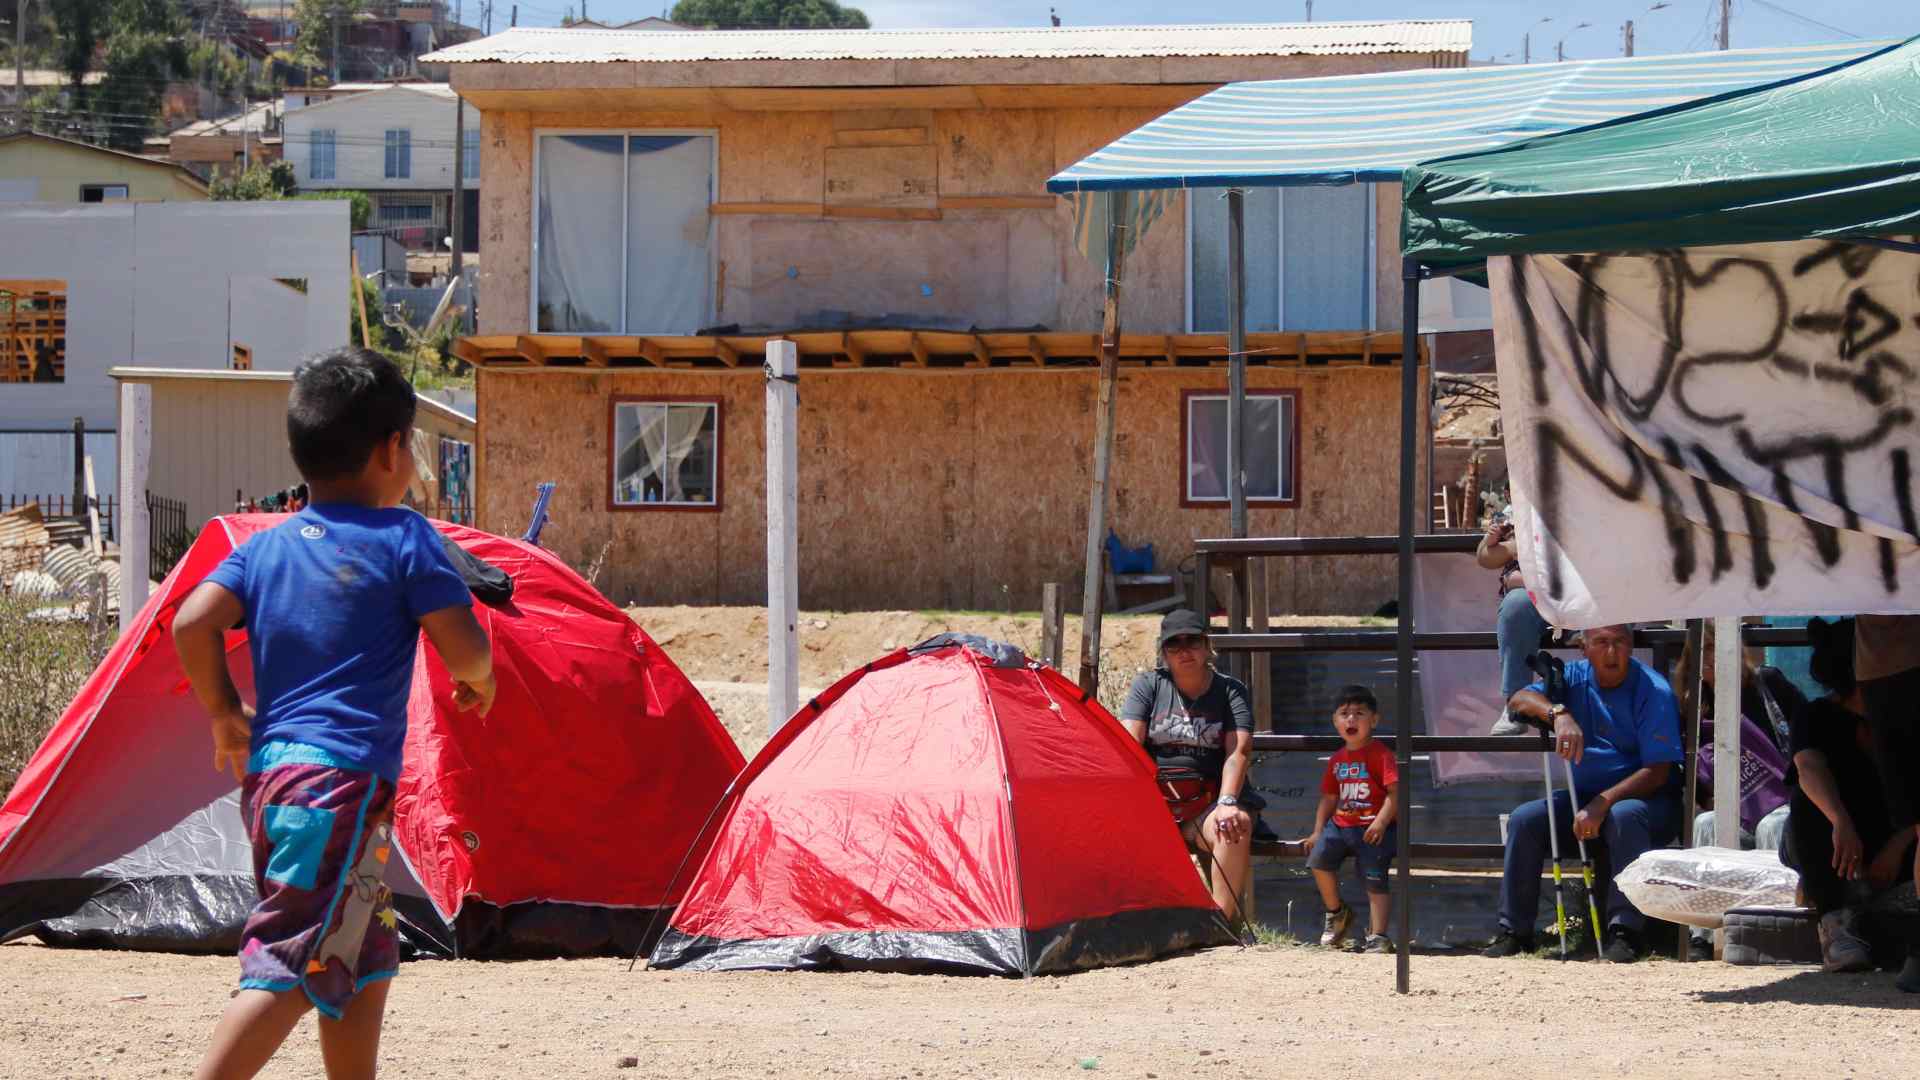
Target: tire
{"type": "Point", "coordinates": [1759, 936]}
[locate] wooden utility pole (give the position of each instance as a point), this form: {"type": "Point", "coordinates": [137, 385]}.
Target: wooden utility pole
{"type": "Point", "coordinates": [1092, 594]}
{"type": "Point", "coordinates": [20, 65]}
{"type": "Point", "coordinates": [783, 532]}
{"type": "Point", "coordinates": [1726, 34]}
{"type": "Point", "coordinates": [513, 16]}
{"type": "Point", "coordinates": [1626, 44]}
{"type": "Point", "coordinates": [132, 527]}
{"type": "Point", "coordinates": [1526, 47]}
{"type": "Point", "coordinates": [456, 214]}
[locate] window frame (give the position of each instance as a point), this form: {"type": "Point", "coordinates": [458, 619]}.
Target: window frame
{"type": "Point", "coordinates": [1289, 451]}
{"type": "Point", "coordinates": [713, 224]}
{"type": "Point", "coordinates": [470, 143]}
{"type": "Point", "coordinates": [314, 144]}
{"type": "Point", "coordinates": [614, 401]}
{"type": "Point", "coordinates": [1370, 275]}
{"type": "Point", "coordinates": [126, 192]}
{"type": "Point", "coordinates": [398, 162]}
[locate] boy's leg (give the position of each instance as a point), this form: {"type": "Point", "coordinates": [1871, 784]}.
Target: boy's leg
{"type": "Point", "coordinates": [350, 1046]}
{"type": "Point", "coordinates": [1329, 884]}
{"type": "Point", "coordinates": [253, 1027]}
{"type": "Point", "coordinates": [1375, 863]}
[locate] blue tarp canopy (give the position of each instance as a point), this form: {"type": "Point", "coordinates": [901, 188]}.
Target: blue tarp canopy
{"type": "Point", "coordinates": [1352, 128]}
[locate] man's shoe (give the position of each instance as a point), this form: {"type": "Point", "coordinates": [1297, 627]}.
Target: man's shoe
{"type": "Point", "coordinates": [1622, 947]}
{"type": "Point", "coordinates": [1334, 926]}
{"type": "Point", "coordinates": [1378, 943]}
{"type": "Point", "coordinates": [1842, 950]}
{"type": "Point", "coordinates": [1508, 724]}
{"type": "Point", "coordinates": [1699, 948]}
{"type": "Point", "coordinates": [1909, 977]}
{"type": "Point", "coordinates": [1507, 943]}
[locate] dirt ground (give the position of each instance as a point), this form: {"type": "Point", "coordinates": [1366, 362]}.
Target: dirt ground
{"type": "Point", "coordinates": [1272, 1011]}
{"type": "Point", "coordinates": [724, 649]}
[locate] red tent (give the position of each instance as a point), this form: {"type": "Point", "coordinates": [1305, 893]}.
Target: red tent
{"type": "Point", "coordinates": [554, 825]}
{"type": "Point", "coordinates": [953, 807]}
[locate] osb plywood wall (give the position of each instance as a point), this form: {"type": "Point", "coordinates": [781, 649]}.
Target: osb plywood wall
{"type": "Point", "coordinates": [926, 490]}
{"type": "Point", "coordinates": [986, 268]}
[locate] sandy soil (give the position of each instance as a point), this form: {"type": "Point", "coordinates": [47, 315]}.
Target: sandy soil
{"type": "Point", "coordinates": [1302, 1013]}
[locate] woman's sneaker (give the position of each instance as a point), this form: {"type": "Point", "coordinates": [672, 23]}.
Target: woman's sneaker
{"type": "Point", "coordinates": [1334, 926]}
{"type": "Point", "coordinates": [1842, 950]}
{"type": "Point", "coordinates": [1378, 943]}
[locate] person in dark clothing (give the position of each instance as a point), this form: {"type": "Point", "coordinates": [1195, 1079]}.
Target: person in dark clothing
{"type": "Point", "coordinates": [1837, 825]}
{"type": "Point", "coordinates": [1886, 662]}
{"type": "Point", "coordinates": [1191, 717]}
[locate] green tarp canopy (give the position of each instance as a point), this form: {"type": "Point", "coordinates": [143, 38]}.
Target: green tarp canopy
{"type": "Point", "coordinates": [1830, 154]}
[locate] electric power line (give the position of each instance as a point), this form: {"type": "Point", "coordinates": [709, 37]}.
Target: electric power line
{"type": "Point", "coordinates": [1811, 22]}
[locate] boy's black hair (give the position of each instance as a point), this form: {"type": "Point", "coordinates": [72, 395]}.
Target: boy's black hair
{"type": "Point", "coordinates": [343, 405]}
{"type": "Point", "coordinates": [1831, 664]}
{"type": "Point", "coordinates": [1355, 694]}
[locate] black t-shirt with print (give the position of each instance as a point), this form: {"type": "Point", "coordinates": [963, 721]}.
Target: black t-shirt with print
{"type": "Point", "coordinates": [1189, 731]}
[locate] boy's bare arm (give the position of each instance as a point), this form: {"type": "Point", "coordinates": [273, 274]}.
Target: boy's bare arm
{"type": "Point", "coordinates": [199, 635]}
{"type": "Point", "coordinates": [464, 648]}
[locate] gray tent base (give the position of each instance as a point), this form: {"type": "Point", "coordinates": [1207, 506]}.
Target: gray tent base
{"type": "Point", "coordinates": [204, 913]}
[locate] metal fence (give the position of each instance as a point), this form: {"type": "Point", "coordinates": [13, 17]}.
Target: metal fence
{"type": "Point", "coordinates": [168, 534]}
{"type": "Point", "coordinates": [64, 506]}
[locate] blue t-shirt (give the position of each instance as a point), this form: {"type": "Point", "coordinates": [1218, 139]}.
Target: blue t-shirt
{"type": "Point", "coordinates": [334, 598]}
{"type": "Point", "coordinates": [1628, 727]}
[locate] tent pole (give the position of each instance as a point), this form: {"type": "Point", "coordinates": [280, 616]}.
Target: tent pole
{"type": "Point", "coordinates": [1092, 593]}
{"type": "Point", "coordinates": [1403, 634]}
{"type": "Point", "coordinates": [1237, 413]}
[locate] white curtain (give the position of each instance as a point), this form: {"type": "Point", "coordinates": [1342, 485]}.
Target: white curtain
{"type": "Point", "coordinates": [1307, 258]}
{"type": "Point", "coordinates": [654, 443]}
{"type": "Point", "coordinates": [669, 188]}
{"type": "Point", "coordinates": [580, 193]}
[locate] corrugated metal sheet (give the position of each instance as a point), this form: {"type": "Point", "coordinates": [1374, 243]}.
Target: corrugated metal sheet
{"type": "Point", "coordinates": [555, 45]}
{"type": "Point", "coordinates": [1371, 127]}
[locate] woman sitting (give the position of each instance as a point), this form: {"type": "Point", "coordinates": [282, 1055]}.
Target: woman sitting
{"type": "Point", "coordinates": [1839, 834]}
{"type": "Point", "coordinates": [1197, 722]}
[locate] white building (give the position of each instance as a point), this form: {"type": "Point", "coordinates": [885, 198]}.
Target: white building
{"type": "Point", "coordinates": [398, 145]}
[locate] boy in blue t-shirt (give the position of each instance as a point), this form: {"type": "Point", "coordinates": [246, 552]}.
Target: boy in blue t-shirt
{"type": "Point", "coordinates": [333, 602]}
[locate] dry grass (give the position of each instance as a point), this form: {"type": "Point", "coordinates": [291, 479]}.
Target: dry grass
{"type": "Point", "coordinates": [42, 666]}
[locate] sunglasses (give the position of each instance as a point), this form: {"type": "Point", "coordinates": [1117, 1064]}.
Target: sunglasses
{"type": "Point", "coordinates": [1185, 643]}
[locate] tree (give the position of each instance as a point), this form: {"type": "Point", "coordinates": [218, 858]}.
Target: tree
{"type": "Point", "coordinates": [314, 44]}
{"type": "Point", "coordinates": [142, 48]}
{"type": "Point", "coordinates": [769, 14]}
{"type": "Point", "coordinates": [268, 180]}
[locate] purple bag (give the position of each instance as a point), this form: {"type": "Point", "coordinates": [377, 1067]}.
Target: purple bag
{"type": "Point", "coordinates": [1763, 771]}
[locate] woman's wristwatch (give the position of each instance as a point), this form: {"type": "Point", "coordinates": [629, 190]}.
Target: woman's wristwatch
{"type": "Point", "coordinates": [1229, 800]}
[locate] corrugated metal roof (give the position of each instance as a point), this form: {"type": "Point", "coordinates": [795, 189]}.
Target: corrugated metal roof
{"type": "Point", "coordinates": [1371, 127]}
{"type": "Point", "coordinates": [560, 45]}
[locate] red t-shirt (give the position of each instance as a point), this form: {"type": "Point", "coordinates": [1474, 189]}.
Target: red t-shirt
{"type": "Point", "coordinates": [1359, 780]}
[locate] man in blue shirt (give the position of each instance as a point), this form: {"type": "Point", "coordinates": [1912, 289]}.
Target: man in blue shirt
{"type": "Point", "coordinates": [1620, 727]}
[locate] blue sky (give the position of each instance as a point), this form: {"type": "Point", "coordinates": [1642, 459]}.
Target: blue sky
{"type": "Point", "coordinates": [1679, 26]}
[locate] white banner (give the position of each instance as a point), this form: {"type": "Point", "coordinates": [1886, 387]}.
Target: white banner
{"type": "Point", "coordinates": [1713, 431]}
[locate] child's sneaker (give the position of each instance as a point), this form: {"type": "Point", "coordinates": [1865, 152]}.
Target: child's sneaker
{"type": "Point", "coordinates": [1334, 926]}
{"type": "Point", "coordinates": [1378, 943]}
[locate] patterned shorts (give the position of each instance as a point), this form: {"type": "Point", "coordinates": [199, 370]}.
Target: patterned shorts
{"type": "Point", "coordinates": [322, 835]}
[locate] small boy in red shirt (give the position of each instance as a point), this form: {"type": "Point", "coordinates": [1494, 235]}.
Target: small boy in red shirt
{"type": "Point", "coordinates": [1359, 798]}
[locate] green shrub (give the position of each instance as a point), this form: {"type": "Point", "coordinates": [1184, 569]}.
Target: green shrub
{"type": "Point", "coordinates": [42, 667]}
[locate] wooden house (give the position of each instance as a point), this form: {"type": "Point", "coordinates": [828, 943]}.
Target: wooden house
{"type": "Point", "coordinates": [659, 206]}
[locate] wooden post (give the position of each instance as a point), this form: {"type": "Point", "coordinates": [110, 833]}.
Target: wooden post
{"type": "Point", "coordinates": [360, 301]}
{"type": "Point", "coordinates": [1241, 663]}
{"type": "Point", "coordinates": [136, 443]}
{"type": "Point", "coordinates": [1726, 733]}
{"type": "Point", "coordinates": [1091, 597]}
{"type": "Point", "coordinates": [93, 512]}
{"type": "Point", "coordinates": [79, 460]}
{"type": "Point", "coordinates": [1052, 625]}
{"type": "Point", "coordinates": [783, 533]}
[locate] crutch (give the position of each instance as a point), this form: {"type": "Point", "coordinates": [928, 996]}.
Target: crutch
{"type": "Point", "coordinates": [1586, 873]}
{"type": "Point", "coordinates": [1553, 831]}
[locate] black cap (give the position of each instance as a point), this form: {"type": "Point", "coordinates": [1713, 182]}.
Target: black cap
{"type": "Point", "coordinates": [1181, 622]}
